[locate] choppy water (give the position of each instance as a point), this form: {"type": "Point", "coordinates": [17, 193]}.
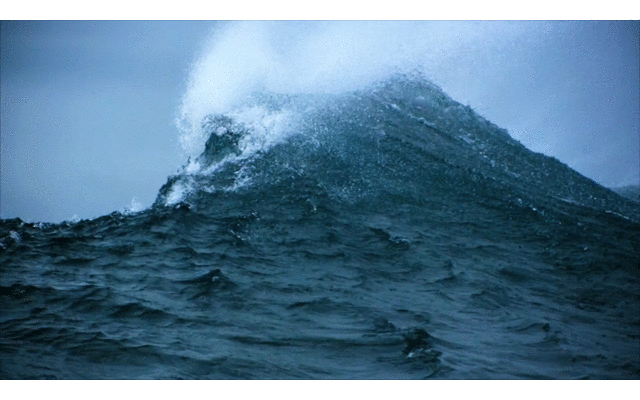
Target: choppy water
{"type": "Point", "coordinates": [387, 233]}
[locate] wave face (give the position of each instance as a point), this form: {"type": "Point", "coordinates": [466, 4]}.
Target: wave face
{"type": "Point", "coordinates": [386, 232]}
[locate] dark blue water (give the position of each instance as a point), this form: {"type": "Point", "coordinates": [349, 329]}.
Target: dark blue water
{"type": "Point", "coordinates": [389, 233]}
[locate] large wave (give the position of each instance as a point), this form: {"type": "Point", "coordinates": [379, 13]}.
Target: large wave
{"type": "Point", "coordinates": [269, 95]}
{"type": "Point", "coordinates": [398, 138]}
{"type": "Point", "coordinates": [379, 229]}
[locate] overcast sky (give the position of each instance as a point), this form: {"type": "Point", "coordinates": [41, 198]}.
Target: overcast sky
{"type": "Point", "coordinates": [88, 108]}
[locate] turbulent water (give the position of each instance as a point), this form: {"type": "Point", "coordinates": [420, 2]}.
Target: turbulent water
{"type": "Point", "coordinates": [386, 233]}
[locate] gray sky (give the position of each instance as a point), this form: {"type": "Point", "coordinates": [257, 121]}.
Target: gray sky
{"type": "Point", "coordinates": [88, 108]}
{"type": "Point", "coordinates": [87, 112]}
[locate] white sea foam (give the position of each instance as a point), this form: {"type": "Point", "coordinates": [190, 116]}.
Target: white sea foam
{"type": "Point", "coordinates": [134, 207]}
{"type": "Point", "coordinates": [15, 236]}
{"type": "Point", "coordinates": [177, 194]}
{"type": "Point", "coordinates": [264, 128]}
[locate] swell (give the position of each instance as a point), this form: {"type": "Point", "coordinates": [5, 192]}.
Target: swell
{"type": "Point", "coordinates": [393, 234]}
{"type": "Point", "coordinates": [403, 138]}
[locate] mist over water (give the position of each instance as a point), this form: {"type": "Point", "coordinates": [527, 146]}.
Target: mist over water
{"type": "Point", "coordinates": [241, 58]}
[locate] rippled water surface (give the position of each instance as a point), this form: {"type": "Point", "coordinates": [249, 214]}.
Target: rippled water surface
{"type": "Point", "coordinates": [386, 234]}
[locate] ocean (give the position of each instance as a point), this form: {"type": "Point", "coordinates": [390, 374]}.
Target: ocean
{"type": "Point", "coordinates": [387, 232]}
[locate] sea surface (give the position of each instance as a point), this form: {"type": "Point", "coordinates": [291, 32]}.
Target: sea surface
{"type": "Point", "coordinates": [384, 233]}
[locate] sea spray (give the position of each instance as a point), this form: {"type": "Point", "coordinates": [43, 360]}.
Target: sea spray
{"type": "Point", "coordinates": [378, 230]}
{"type": "Point", "coordinates": [242, 58]}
